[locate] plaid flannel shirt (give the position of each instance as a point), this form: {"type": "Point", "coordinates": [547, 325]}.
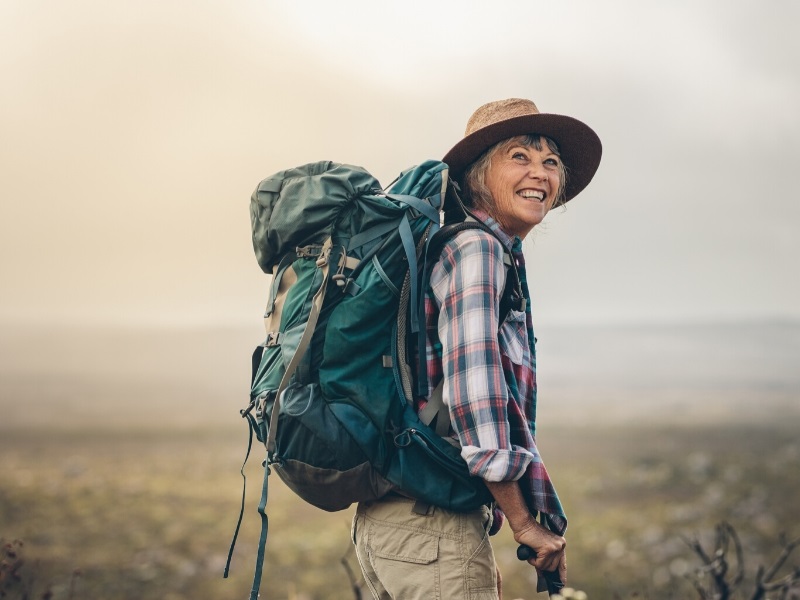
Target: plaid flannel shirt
{"type": "Point", "coordinates": [489, 371]}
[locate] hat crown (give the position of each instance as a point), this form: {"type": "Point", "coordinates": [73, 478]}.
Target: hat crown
{"type": "Point", "coordinates": [500, 110]}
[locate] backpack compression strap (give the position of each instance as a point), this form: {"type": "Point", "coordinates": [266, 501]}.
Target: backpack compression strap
{"type": "Point", "coordinates": [323, 262]}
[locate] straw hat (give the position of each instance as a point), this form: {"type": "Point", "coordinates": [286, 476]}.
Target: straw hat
{"type": "Point", "coordinates": [497, 121]}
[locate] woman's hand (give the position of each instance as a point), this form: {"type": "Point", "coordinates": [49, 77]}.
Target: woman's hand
{"type": "Point", "coordinates": [549, 547]}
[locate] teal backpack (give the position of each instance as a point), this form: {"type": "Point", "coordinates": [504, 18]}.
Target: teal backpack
{"type": "Point", "coordinates": [332, 387]}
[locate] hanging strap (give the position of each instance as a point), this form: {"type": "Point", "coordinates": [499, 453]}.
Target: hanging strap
{"type": "Point", "coordinates": [252, 428]}
{"type": "Point", "coordinates": [244, 490]}
{"type": "Point", "coordinates": [262, 540]}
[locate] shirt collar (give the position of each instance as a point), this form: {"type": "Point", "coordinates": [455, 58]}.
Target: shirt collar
{"type": "Point", "coordinates": [514, 243]}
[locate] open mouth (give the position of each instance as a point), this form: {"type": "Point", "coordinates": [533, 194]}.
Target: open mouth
{"type": "Point", "coordinates": [532, 195]}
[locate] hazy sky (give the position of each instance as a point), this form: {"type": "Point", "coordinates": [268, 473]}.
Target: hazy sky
{"type": "Point", "coordinates": [132, 134]}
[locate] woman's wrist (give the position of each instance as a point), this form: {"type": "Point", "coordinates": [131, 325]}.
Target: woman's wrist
{"type": "Point", "coordinates": [509, 498]}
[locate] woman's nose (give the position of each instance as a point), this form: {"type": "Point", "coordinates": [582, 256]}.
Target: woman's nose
{"type": "Point", "coordinates": [536, 170]}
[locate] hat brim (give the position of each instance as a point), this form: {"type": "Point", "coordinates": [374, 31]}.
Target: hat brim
{"type": "Point", "coordinates": [578, 144]}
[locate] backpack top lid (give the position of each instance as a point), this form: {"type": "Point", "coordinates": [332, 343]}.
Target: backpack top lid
{"type": "Point", "coordinates": [298, 206]}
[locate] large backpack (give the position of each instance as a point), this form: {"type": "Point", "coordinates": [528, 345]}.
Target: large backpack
{"type": "Point", "coordinates": [332, 390]}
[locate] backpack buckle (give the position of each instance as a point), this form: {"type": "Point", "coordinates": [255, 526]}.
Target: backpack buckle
{"type": "Point", "coordinates": [273, 339]}
{"type": "Point", "coordinates": [256, 403]}
{"type": "Point", "coordinates": [312, 251]}
{"type": "Point", "coordinates": [348, 285]}
{"type": "Point", "coordinates": [261, 404]}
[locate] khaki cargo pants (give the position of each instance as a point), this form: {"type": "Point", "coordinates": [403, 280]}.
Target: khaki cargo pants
{"type": "Point", "coordinates": [441, 555]}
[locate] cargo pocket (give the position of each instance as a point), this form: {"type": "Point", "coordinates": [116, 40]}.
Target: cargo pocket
{"type": "Point", "coordinates": [405, 561]}
{"type": "Point", "coordinates": [514, 335]}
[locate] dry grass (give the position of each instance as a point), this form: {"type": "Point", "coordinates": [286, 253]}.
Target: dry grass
{"type": "Point", "coordinates": [150, 515]}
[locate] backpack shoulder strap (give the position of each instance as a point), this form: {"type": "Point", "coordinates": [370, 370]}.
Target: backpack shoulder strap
{"type": "Point", "coordinates": [511, 299]}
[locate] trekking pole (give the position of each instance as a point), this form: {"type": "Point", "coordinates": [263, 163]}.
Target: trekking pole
{"type": "Point", "coordinates": [554, 583]}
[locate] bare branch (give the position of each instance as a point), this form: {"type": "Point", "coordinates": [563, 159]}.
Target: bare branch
{"type": "Point", "coordinates": [697, 548]}
{"type": "Point", "coordinates": [786, 584]}
{"type": "Point", "coordinates": [788, 548]}
{"type": "Point", "coordinates": [722, 576]}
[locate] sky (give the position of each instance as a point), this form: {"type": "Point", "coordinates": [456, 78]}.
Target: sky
{"type": "Point", "coordinates": [132, 135]}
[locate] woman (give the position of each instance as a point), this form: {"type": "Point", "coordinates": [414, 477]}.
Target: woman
{"type": "Point", "coordinates": [514, 165]}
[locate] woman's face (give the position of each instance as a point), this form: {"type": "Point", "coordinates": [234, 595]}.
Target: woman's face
{"type": "Point", "coordinates": [523, 183]}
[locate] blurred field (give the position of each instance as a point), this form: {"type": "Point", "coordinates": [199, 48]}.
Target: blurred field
{"type": "Point", "coordinates": [120, 450]}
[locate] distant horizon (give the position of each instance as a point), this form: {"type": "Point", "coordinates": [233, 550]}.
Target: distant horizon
{"type": "Point", "coordinates": [181, 376]}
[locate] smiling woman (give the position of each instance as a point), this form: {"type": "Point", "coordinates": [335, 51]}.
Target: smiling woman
{"type": "Point", "coordinates": [523, 177]}
{"type": "Point", "coordinates": [479, 362]}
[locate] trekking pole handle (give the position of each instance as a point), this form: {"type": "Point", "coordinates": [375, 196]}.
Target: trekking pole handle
{"type": "Point", "coordinates": [554, 583]}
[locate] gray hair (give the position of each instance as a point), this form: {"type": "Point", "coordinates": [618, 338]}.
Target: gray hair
{"type": "Point", "coordinates": [477, 193]}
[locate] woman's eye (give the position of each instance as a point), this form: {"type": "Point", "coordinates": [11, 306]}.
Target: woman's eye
{"type": "Point", "coordinates": [552, 162]}
{"type": "Point", "coordinates": [518, 156]}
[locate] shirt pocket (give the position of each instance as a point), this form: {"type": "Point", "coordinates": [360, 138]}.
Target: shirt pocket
{"type": "Point", "coordinates": [514, 336]}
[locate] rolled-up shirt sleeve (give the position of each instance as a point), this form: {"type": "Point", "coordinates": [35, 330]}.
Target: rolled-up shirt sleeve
{"type": "Point", "coordinates": [467, 283]}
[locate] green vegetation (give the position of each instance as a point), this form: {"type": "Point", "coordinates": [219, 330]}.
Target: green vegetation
{"type": "Point", "coordinates": [149, 515]}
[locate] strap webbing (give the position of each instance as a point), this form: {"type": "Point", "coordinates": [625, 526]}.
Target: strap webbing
{"type": "Point", "coordinates": [262, 541]}
{"type": "Point", "coordinates": [370, 234]}
{"type": "Point", "coordinates": [284, 280]}
{"type": "Point", "coordinates": [252, 428]}
{"type": "Point", "coordinates": [429, 209]}
{"type": "Point", "coordinates": [302, 346]}
{"type": "Point", "coordinates": [421, 205]}
{"type": "Point", "coordinates": [407, 238]}
{"type": "Point", "coordinates": [400, 341]}
{"type": "Point", "coordinates": [244, 490]}
{"type": "Point", "coordinates": [376, 264]}
{"type": "Point", "coordinates": [277, 275]}
{"type": "Point", "coordinates": [435, 408]}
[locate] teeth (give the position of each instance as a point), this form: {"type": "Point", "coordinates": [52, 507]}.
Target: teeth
{"type": "Point", "coordinates": [532, 194]}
